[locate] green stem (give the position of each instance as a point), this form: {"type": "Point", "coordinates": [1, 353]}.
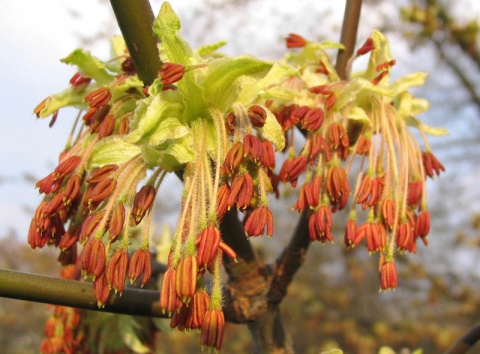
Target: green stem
{"type": "Point", "coordinates": [135, 19]}
{"type": "Point", "coordinates": [63, 292]}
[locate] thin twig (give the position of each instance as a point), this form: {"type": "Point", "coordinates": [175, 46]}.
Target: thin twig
{"type": "Point", "coordinates": [466, 342]}
{"type": "Point", "coordinates": [460, 73]}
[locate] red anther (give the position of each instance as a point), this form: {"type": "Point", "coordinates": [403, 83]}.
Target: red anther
{"type": "Point", "coordinates": [295, 41]}
{"type": "Point", "coordinates": [171, 73]}
{"type": "Point", "coordinates": [366, 47]}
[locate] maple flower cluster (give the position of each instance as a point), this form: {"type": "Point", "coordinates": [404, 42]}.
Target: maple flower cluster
{"type": "Point", "coordinates": [219, 123]}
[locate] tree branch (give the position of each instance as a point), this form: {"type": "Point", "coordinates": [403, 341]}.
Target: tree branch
{"type": "Point", "coordinates": [63, 292]}
{"type": "Point", "coordinates": [466, 342]}
{"type": "Point", "coordinates": [348, 37]}
{"type": "Point", "coordinates": [460, 73]}
{"type": "Point", "coordinates": [135, 19]}
{"type": "Point", "coordinates": [289, 261]}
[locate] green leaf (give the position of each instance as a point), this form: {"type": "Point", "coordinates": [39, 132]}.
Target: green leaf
{"type": "Point", "coordinates": [408, 81]}
{"type": "Point", "coordinates": [381, 54]}
{"type": "Point", "coordinates": [408, 105]}
{"type": "Point", "coordinates": [72, 96]}
{"type": "Point", "coordinates": [221, 88]}
{"type": "Point", "coordinates": [210, 49]}
{"type": "Point", "coordinates": [251, 89]}
{"type": "Point", "coordinates": [126, 84]}
{"type": "Point", "coordinates": [151, 111]}
{"type": "Point", "coordinates": [112, 149]}
{"type": "Point", "coordinates": [118, 48]}
{"type": "Point", "coordinates": [175, 50]}
{"type": "Point", "coordinates": [89, 66]}
{"type": "Point", "coordinates": [168, 129]}
{"type": "Point", "coordinates": [427, 129]}
{"type": "Point", "coordinates": [272, 131]}
{"type": "Point", "coordinates": [359, 115]}
{"type": "Point", "coordinates": [170, 157]}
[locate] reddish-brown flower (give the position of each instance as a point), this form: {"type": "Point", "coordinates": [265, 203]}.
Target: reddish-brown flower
{"type": "Point", "coordinates": [186, 278]}
{"type": "Point", "coordinates": [124, 126]}
{"type": "Point", "coordinates": [168, 293]}
{"type": "Point", "coordinates": [257, 116]}
{"type": "Point", "coordinates": [388, 212]}
{"type": "Point", "coordinates": [375, 234]}
{"type": "Point", "coordinates": [388, 274]}
{"type": "Point", "coordinates": [70, 237]}
{"type": "Point", "coordinates": [171, 73]}
{"type": "Point", "coordinates": [309, 118]}
{"type": "Point", "coordinates": [117, 270]}
{"type": "Point", "coordinates": [98, 98]}
{"type": "Point", "coordinates": [292, 168]}
{"type": "Point", "coordinates": [66, 167]}
{"type": "Point", "coordinates": [337, 186]}
{"type": "Point", "coordinates": [259, 221]}
{"type": "Point", "coordinates": [230, 123]}
{"type": "Point", "coordinates": [106, 126]}
{"type": "Point", "coordinates": [350, 233]}
{"type": "Point", "coordinates": [363, 145]}
{"type": "Point", "coordinates": [117, 220]}
{"type": "Point", "coordinates": [141, 203]}
{"type": "Point", "coordinates": [101, 290]}
{"type": "Point", "coordinates": [431, 164]}
{"type": "Point", "coordinates": [102, 190]}
{"type": "Point", "coordinates": [422, 225]}
{"type": "Point", "coordinates": [233, 159]}
{"type": "Point", "coordinates": [414, 194]}
{"type": "Point", "coordinates": [318, 145]}
{"type": "Point", "coordinates": [252, 147]}
{"type": "Point", "coordinates": [295, 41]}
{"type": "Point", "coordinates": [207, 245]}
{"type": "Point", "coordinates": [370, 191]}
{"type": "Point", "coordinates": [267, 158]}
{"type": "Point", "coordinates": [320, 225]}
{"type": "Point", "coordinates": [242, 191]}
{"type": "Point", "coordinates": [213, 327]}
{"type": "Point", "coordinates": [141, 262]}
{"type": "Point", "coordinates": [338, 139]}
{"type": "Point", "coordinates": [78, 80]}
{"type": "Point", "coordinates": [197, 309]}
{"type": "Point", "coordinates": [405, 238]}
{"type": "Point", "coordinates": [128, 66]}
{"type": "Point", "coordinates": [93, 257]}
{"type": "Point", "coordinates": [366, 47]}
{"type": "Point", "coordinates": [222, 200]}
{"type": "Point", "coordinates": [90, 225]}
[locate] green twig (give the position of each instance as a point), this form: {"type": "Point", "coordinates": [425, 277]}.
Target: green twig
{"type": "Point", "coordinates": [135, 19]}
{"type": "Point", "coordinates": [63, 292]}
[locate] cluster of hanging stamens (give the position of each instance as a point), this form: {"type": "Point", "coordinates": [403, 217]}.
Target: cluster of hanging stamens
{"type": "Point", "coordinates": [98, 208]}
{"type": "Point", "coordinates": [390, 189]}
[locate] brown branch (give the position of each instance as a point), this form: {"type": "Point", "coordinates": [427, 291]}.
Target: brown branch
{"type": "Point", "coordinates": [448, 24]}
{"type": "Point", "coordinates": [348, 37]}
{"type": "Point", "coordinates": [289, 261]}
{"type": "Point", "coordinates": [460, 73]}
{"type": "Point", "coordinates": [466, 342]}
